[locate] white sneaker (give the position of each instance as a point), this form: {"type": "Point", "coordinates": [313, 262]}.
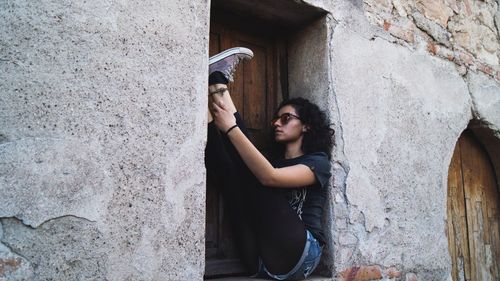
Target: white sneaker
{"type": "Point", "coordinates": [226, 61]}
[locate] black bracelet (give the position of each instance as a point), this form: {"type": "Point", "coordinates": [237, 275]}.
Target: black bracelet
{"type": "Point", "coordinates": [229, 130]}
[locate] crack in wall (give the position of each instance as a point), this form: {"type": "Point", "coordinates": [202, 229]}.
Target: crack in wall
{"type": "Point", "coordinates": [12, 250]}
{"type": "Point", "coordinates": [3, 138]}
{"type": "Point", "coordinates": [357, 229]}
{"type": "Point", "coordinates": [78, 238]}
{"type": "Point", "coordinates": [62, 217]}
{"type": "Point", "coordinates": [22, 221]}
{"type": "Point", "coordinates": [332, 28]}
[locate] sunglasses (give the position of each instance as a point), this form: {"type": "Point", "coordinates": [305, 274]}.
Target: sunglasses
{"type": "Point", "coordinates": [284, 118]}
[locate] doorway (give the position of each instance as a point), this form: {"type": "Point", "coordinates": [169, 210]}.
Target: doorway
{"type": "Point", "coordinates": [256, 95]}
{"type": "Point", "coordinates": [282, 34]}
{"type": "Point", "coordinates": [473, 212]}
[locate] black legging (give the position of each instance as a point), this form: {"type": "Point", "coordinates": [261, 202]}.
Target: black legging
{"type": "Point", "coordinates": [264, 223]}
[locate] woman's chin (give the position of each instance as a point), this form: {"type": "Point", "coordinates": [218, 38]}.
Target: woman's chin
{"type": "Point", "coordinates": [279, 140]}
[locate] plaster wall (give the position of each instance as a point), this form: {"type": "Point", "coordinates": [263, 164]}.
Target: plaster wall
{"type": "Point", "coordinates": [401, 108]}
{"type": "Point", "coordinates": [102, 131]}
{"type": "Point", "coordinates": [398, 157]}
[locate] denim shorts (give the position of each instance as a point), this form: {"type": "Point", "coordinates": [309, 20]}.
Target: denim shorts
{"type": "Point", "coordinates": [306, 265]}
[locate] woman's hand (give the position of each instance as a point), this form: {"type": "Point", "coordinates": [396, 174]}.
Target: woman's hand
{"type": "Point", "coordinates": [223, 118]}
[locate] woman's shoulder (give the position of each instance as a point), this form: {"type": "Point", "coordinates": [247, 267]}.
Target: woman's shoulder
{"type": "Point", "coordinates": [319, 163]}
{"type": "Point", "coordinates": [314, 159]}
{"type": "Point", "coordinates": [318, 160]}
{"type": "Point", "coordinates": [317, 156]}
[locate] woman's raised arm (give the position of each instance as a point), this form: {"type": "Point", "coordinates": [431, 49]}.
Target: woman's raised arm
{"type": "Point", "coordinates": [287, 177]}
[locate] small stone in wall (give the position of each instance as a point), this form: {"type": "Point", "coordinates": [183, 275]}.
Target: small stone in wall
{"type": "Point", "coordinates": [377, 10]}
{"type": "Point", "coordinates": [402, 29]}
{"type": "Point", "coordinates": [466, 58]}
{"type": "Point", "coordinates": [497, 19]}
{"type": "Point", "coordinates": [7, 265]}
{"type": "Point", "coordinates": [433, 29]}
{"type": "Point", "coordinates": [436, 10]}
{"type": "Point", "coordinates": [392, 272]}
{"type": "Point", "coordinates": [453, 5]}
{"type": "Point", "coordinates": [411, 277]}
{"type": "Point", "coordinates": [399, 8]}
{"type": "Point", "coordinates": [485, 69]}
{"type": "Point", "coordinates": [361, 273]}
{"type": "Point", "coordinates": [386, 5]}
{"type": "Point", "coordinates": [486, 17]}
{"type": "Point", "coordinates": [345, 254]}
{"type": "Point", "coordinates": [13, 266]}
{"type": "Point", "coordinates": [474, 30]}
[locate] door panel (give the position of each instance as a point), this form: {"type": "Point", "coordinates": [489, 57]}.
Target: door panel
{"type": "Point", "coordinates": [473, 213]}
{"type": "Point", "coordinates": [457, 223]}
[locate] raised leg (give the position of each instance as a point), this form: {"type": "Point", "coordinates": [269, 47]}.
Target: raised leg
{"type": "Point", "coordinates": [264, 222]}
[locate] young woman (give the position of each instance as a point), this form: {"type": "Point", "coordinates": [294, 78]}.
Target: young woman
{"type": "Point", "coordinates": [276, 207]}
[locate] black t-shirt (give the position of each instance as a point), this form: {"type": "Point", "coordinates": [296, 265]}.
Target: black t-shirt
{"type": "Point", "coordinates": [308, 201]}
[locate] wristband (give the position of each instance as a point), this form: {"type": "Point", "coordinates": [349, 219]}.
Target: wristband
{"type": "Point", "coordinates": [229, 130]}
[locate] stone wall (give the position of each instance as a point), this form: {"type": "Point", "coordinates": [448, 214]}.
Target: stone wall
{"type": "Point", "coordinates": [407, 82]}
{"type": "Point", "coordinates": [466, 32]}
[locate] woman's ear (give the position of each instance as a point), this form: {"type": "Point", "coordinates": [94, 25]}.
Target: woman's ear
{"type": "Point", "coordinates": [305, 128]}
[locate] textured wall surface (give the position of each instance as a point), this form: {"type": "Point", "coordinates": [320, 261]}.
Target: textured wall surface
{"type": "Point", "coordinates": [486, 96]}
{"type": "Point", "coordinates": [398, 158]}
{"type": "Point", "coordinates": [102, 130]}
{"type": "Point", "coordinates": [404, 97]}
{"type": "Point", "coordinates": [466, 32]}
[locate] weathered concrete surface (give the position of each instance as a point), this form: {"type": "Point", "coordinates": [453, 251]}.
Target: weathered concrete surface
{"type": "Point", "coordinates": [102, 119]}
{"type": "Point", "coordinates": [42, 179]}
{"type": "Point", "coordinates": [12, 265]}
{"type": "Point", "coordinates": [398, 163]}
{"type": "Point", "coordinates": [66, 248]}
{"type": "Point", "coordinates": [485, 94]}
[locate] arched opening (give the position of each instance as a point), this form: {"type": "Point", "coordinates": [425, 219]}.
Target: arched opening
{"type": "Point", "coordinates": [473, 211]}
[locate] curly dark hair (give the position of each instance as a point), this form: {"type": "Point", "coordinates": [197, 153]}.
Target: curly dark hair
{"type": "Point", "coordinates": [319, 137]}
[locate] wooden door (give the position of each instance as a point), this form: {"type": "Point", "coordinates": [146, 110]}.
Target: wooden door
{"type": "Point", "coordinates": [473, 213]}
{"type": "Point", "coordinates": [255, 94]}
